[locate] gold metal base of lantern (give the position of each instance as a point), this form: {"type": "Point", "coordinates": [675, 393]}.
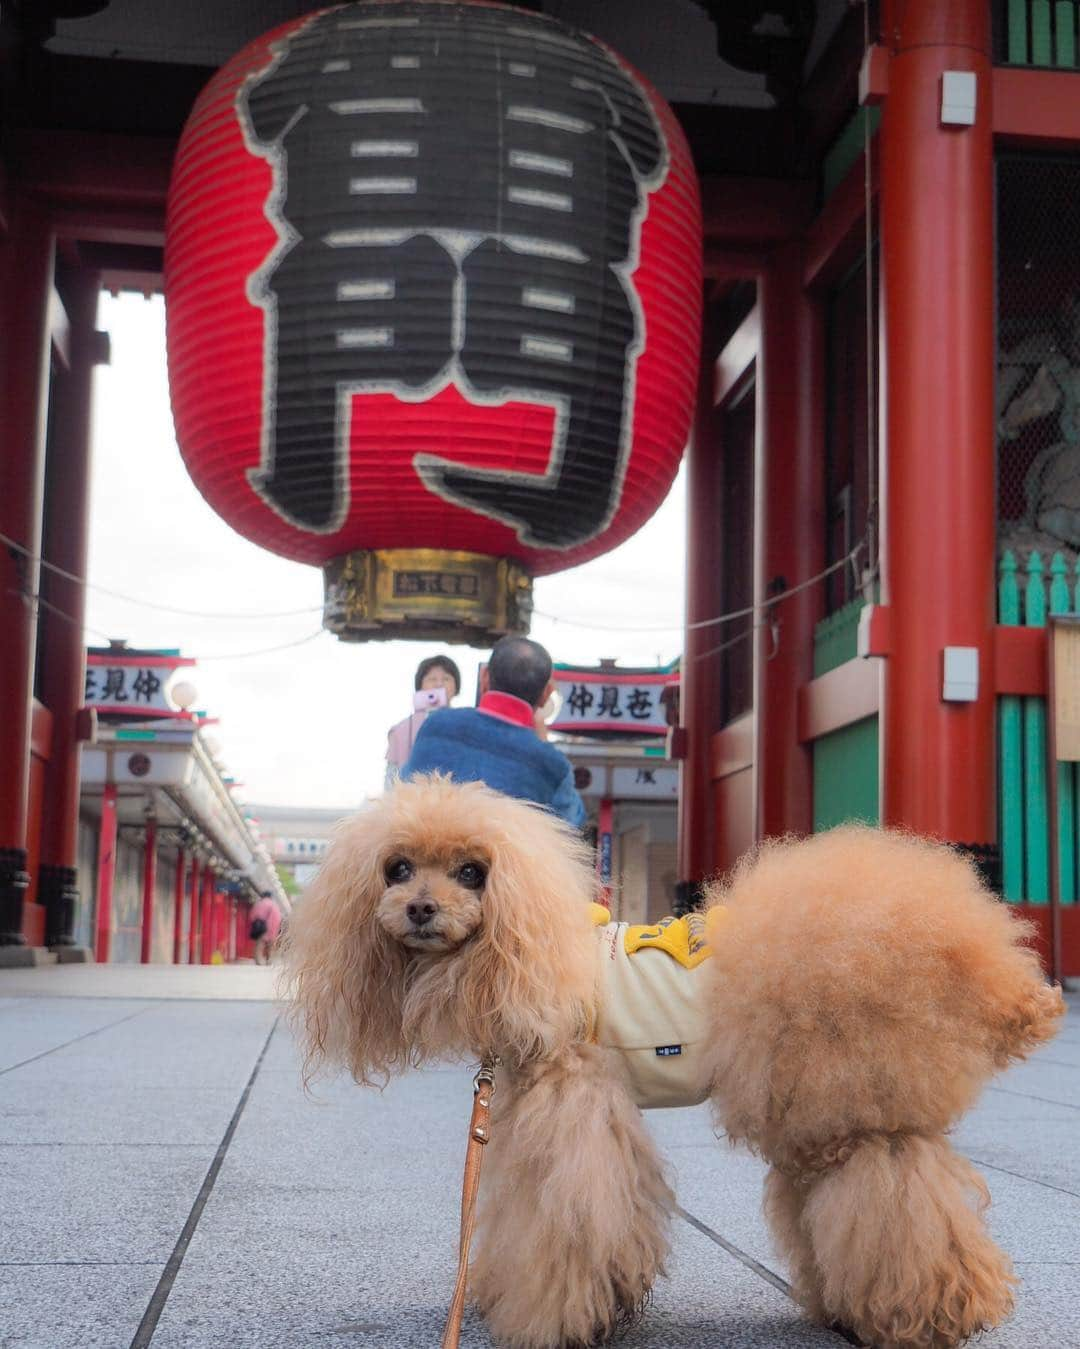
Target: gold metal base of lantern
{"type": "Point", "coordinates": [426, 593]}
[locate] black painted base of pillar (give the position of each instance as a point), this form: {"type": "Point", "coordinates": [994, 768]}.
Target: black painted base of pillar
{"type": "Point", "coordinates": [987, 859]}
{"type": "Point", "coordinates": [14, 878]}
{"type": "Point", "coordinates": [58, 892]}
{"type": "Point", "coordinates": [689, 897]}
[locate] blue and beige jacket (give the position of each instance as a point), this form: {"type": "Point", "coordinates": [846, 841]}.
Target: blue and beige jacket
{"type": "Point", "coordinates": [651, 1005]}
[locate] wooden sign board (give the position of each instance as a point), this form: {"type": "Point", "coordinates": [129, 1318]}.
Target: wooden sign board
{"type": "Point", "coordinates": [1065, 683]}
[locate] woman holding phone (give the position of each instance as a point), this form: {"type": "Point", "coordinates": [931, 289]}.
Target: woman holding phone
{"type": "Point", "coordinates": [437, 683]}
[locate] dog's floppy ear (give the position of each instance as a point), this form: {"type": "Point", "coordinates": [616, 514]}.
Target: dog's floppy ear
{"type": "Point", "coordinates": [526, 982]}
{"type": "Point", "coordinates": [345, 975]}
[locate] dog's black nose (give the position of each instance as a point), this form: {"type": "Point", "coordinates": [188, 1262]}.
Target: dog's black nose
{"type": "Point", "coordinates": [421, 911]}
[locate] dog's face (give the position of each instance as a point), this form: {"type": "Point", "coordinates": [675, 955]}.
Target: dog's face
{"type": "Point", "coordinates": [447, 919]}
{"type": "Point", "coordinates": [433, 902]}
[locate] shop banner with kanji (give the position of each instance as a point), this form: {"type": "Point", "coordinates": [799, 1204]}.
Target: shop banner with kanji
{"type": "Point", "coordinates": [132, 684]}
{"type": "Point", "coordinates": [630, 703]}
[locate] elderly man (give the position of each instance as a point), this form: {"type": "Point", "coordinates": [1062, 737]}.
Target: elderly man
{"type": "Point", "coordinates": [497, 742]}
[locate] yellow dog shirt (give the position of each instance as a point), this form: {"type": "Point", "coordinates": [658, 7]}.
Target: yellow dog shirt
{"type": "Point", "coordinates": [651, 1005]}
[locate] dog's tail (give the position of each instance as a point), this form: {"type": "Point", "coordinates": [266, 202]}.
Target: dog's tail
{"type": "Point", "coordinates": [891, 1244]}
{"type": "Point", "coordinates": [864, 981]}
{"type": "Point", "coordinates": [1029, 1021]}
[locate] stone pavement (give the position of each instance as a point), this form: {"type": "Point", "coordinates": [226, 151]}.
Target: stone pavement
{"type": "Point", "coordinates": [166, 1182]}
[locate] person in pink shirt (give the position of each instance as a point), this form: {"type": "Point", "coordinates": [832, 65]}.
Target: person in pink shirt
{"type": "Point", "coordinates": [432, 675]}
{"type": "Point", "coordinates": [265, 926]}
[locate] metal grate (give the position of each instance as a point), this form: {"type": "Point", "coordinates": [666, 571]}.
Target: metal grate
{"type": "Point", "coordinates": [1038, 362]}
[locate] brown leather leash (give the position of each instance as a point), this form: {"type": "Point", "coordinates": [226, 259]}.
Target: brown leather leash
{"type": "Point", "coordinates": [479, 1134]}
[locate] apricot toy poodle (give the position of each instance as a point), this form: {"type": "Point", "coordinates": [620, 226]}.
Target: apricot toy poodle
{"type": "Point", "coordinates": [841, 1004]}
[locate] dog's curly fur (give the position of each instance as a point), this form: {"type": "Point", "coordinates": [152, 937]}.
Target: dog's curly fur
{"type": "Point", "coordinates": [863, 987]}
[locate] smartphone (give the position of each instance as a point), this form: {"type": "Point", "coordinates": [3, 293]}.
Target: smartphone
{"type": "Point", "coordinates": [424, 700]}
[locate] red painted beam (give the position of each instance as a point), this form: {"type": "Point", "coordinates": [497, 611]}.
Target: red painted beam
{"type": "Point", "coordinates": [755, 211]}
{"type": "Point", "coordinates": [83, 167]}
{"type": "Point", "coordinates": [1020, 661]}
{"type": "Point", "coordinates": [725, 262]}
{"type": "Point", "coordinates": [101, 223]}
{"type": "Point", "coordinates": [1036, 106]}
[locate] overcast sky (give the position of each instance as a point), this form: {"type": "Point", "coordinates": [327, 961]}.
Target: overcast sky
{"type": "Point", "coordinates": [305, 726]}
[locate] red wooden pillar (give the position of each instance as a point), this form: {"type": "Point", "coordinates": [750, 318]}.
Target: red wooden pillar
{"type": "Point", "coordinates": [937, 757]}
{"type": "Point", "coordinates": [62, 658]}
{"type": "Point", "coordinates": [193, 911]}
{"type": "Point", "coordinates": [234, 906]}
{"type": "Point", "coordinates": [217, 921]}
{"type": "Point", "coordinates": [106, 872]}
{"type": "Point", "coordinates": [178, 904]}
{"type": "Point", "coordinates": [26, 274]}
{"type": "Point", "coordinates": [149, 887]}
{"type": "Point", "coordinates": [699, 688]}
{"type": "Point", "coordinates": [206, 931]}
{"type": "Point", "coordinates": [789, 538]}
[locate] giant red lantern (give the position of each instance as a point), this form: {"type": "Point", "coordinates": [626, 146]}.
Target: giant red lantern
{"type": "Point", "coordinates": [433, 278]}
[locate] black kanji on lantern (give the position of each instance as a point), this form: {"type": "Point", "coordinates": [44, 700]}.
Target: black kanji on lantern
{"type": "Point", "coordinates": [458, 191]}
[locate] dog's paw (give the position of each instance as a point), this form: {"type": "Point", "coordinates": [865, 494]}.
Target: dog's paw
{"type": "Point", "coordinates": [626, 1314]}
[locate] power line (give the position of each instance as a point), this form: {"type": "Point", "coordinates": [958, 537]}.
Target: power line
{"type": "Point", "coordinates": [847, 560]}
{"type": "Point", "coordinates": [235, 655]}
{"type": "Point", "coordinates": [146, 604]}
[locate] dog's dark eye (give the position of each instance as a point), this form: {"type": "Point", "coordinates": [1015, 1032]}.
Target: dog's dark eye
{"type": "Point", "coordinates": [472, 876]}
{"type": "Point", "coordinates": [400, 869]}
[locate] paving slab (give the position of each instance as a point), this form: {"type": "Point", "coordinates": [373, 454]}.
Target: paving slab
{"type": "Point", "coordinates": [31, 1027]}
{"type": "Point", "coordinates": [74, 1305]}
{"type": "Point", "coordinates": [114, 1204]}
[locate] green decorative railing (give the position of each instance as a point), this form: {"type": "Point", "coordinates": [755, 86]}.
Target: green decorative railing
{"type": "Point", "coordinates": [1025, 599]}
{"type": "Point", "coordinates": [836, 637]}
{"type": "Point", "coordinates": [1042, 33]}
{"type": "Point", "coordinates": [845, 762]}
